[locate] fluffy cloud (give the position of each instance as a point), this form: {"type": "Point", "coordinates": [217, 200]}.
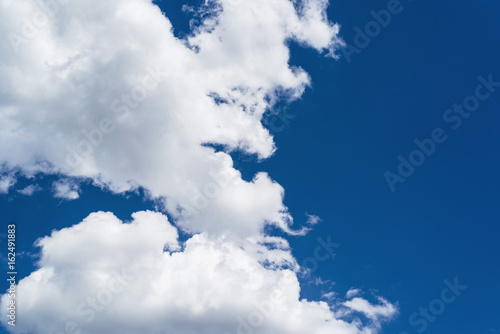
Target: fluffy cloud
{"type": "Point", "coordinates": [104, 90]}
{"type": "Point", "coordinates": [104, 275]}
{"type": "Point", "coordinates": [66, 189]}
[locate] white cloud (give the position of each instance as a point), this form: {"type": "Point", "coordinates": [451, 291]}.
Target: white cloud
{"type": "Point", "coordinates": [103, 274]}
{"type": "Point", "coordinates": [29, 190]}
{"type": "Point", "coordinates": [66, 189]}
{"type": "Point", "coordinates": [127, 104]}
{"type": "Point", "coordinates": [319, 281]}
{"type": "Point", "coordinates": [103, 90]}
{"type": "Point", "coordinates": [352, 293]}
{"type": "Point", "coordinates": [383, 311]}
{"type": "Point", "coordinates": [312, 219]}
{"type": "Point", "coordinates": [6, 182]}
{"type": "Point", "coordinates": [329, 295]}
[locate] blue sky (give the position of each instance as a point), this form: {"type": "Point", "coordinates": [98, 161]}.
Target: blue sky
{"type": "Point", "coordinates": [360, 114]}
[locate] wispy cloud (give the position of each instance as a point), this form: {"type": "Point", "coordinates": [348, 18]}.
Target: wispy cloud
{"type": "Point", "coordinates": [29, 190]}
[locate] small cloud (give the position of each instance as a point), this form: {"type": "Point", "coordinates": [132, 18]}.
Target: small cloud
{"type": "Point", "coordinates": [30, 190]}
{"type": "Point", "coordinates": [6, 182]}
{"type": "Point", "coordinates": [377, 313]}
{"type": "Point", "coordinates": [352, 293]}
{"type": "Point", "coordinates": [319, 281]}
{"type": "Point", "coordinates": [66, 189]}
{"type": "Point", "coordinates": [312, 219]}
{"type": "Point", "coordinates": [329, 295]}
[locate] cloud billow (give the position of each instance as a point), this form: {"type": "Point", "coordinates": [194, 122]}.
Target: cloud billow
{"type": "Point", "coordinates": [104, 91]}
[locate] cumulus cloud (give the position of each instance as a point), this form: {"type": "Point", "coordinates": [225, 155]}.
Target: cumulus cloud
{"type": "Point", "coordinates": [127, 104]}
{"type": "Point", "coordinates": [66, 189]}
{"type": "Point", "coordinates": [137, 277]}
{"type": "Point", "coordinates": [104, 91]}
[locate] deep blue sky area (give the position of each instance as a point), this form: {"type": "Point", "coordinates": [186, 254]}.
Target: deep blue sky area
{"type": "Point", "coordinates": [360, 114]}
